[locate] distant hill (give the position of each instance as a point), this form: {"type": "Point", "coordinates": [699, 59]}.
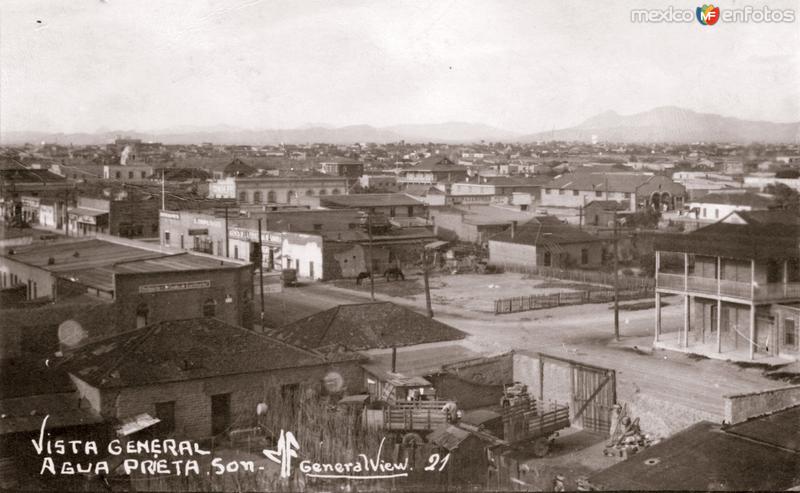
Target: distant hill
{"type": "Point", "coordinates": [666, 124]}
{"type": "Point", "coordinates": [671, 124]}
{"type": "Point", "coordinates": [443, 132]}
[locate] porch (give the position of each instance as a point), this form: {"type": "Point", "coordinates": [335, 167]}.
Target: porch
{"type": "Point", "coordinates": [674, 341]}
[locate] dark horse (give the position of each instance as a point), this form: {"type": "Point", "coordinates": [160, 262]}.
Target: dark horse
{"type": "Point", "coordinates": [361, 276]}
{"type": "Point", "coordinates": [393, 274]}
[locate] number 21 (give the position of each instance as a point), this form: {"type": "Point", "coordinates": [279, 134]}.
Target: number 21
{"type": "Point", "coordinates": [435, 460]}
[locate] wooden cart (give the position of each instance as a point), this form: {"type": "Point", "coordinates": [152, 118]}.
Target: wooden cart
{"type": "Point", "coordinates": [534, 424]}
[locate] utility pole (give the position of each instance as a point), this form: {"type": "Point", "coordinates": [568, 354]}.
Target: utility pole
{"type": "Point", "coordinates": [371, 278]}
{"type": "Point", "coordinates": [261, 273]}
{"type": "Point", "coordinates": [616, 279]}
{"type": "Point", "coordinates": [163, 190]}
{"type": "Point", "coordinates": [227, 241]}
{"type": "Point", "coordinates": [427, 284]}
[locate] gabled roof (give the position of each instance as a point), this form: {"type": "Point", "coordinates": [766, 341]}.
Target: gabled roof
{"type": "Point", "coordinates": [366, 326]}
{"type": "Point", "coordinates": [545, 231]}
{"type": "Point", "coordinates": [435, 161]}
{"type": "Point", "coordinates": [607, 205]}
{"type": "Point", "coordinates": [181, 350]}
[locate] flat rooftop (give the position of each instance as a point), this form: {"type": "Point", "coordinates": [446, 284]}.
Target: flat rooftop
{"type": "Point", "coordinates": [93, 262]}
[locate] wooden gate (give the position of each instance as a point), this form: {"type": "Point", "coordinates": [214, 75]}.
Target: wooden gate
{"type": "Point", "coordinates": [593, 392]}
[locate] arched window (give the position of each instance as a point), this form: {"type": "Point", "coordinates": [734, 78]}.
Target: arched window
{"type": "Point", "coordinates": [242, 196]}
{"type": "Point", "coordinates": [256, 197]}
{"type": "Point", "coordinates": [335, 191]}
{"type": "Point", "coordinates": [142, 314]}
{"type": "Point", "coordinates": [209, 308]}
{"type": "Point", "coordinates": [309, 193]}
{"type": "Point", "coordinates": [271, 197]}
{"type": "Point", "coordinates": [291, 196]}
{"type": "Point", "coordinates": [323, 192]}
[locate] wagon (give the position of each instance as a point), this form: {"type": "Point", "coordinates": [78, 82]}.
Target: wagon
{"type": "Point", "coordinates": [534, 424]}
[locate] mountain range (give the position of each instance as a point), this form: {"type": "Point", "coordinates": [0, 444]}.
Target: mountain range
{"type": "Point", "coordinates": [672, 124]}
{"type": "Point", "coordinates": [665, 124]}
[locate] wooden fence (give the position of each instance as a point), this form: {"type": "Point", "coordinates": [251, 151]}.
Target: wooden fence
{"type": "Point", "coordinates": [590, 276]}
{"type": "Point", "coordinates": [539, 302]}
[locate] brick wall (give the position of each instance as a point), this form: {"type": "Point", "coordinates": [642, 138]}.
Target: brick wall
{"type": "Point", "coordinates": [134, 218]}
{"type": "Point", "coordinates": [193, 398]}
{"type": "Point", "coordinates": [176, 305]}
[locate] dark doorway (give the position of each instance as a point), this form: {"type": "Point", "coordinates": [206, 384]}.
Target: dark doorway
{"type": "Point", "coordinates": [220, 413]}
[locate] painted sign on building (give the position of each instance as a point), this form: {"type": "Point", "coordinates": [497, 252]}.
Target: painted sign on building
{"type": "Point", "coordinates": [174, 286]}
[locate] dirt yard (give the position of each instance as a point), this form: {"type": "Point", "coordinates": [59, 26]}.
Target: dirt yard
{"type": "Point", "coordinates": [477, 292]}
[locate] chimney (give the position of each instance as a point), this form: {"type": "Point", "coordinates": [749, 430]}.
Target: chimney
{"type": "Point", "coordinates": [513, 229]}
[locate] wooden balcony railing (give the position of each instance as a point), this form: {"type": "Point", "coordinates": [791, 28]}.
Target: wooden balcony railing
{"type": "Point", "coordinates": [732, 289]}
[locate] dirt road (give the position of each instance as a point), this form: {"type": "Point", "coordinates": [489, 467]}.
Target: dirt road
{"type": "Point", "coordinates": [582, 332]}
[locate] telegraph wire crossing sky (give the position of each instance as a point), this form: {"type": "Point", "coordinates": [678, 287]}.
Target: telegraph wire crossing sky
{"type": "Point", "coordinates": [524, 66]}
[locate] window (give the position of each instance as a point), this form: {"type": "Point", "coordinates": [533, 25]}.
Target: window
{"type": "Point", "coordinates": [584, 256]}
{"type": "Point", "coordinates": [142, 313]}
{"type": "Point", "coordinates": [242, 196]}
{"type": "Point", "coordinates": [336, 191]}
{"type": "Point", "coordinates": [143, 174]}
{"type": "Point", "coordinates": [317, 227]}
{"type": "Point", "coordinates": [391, 212]}
{"type": "Point", "coordinates": [410, 211]}
{"type": "Point", "coordinates": [291, 196]}
{"type": "Point", "coordinates": [118, 174]}
{"type": "Point", "coordinates": [598, 193]}
{"type": "Point", "coordinates": [716, 213]}
{"type": "Point", "coordinates": [209, 308]}
{"type": "Point", "coordinates": [323, 192]}
{"type": "Point", "coordinates": [256, 197]}
{"type": "Point", "coordinates": [627, 195]}
{"type": "Point", "coordinates": [165, 412]}
{"type": "Point", "coordinates": [311, 269]}
{"type": "Point", "coordinates": [789, 334]}
{"type": "Point", "coordinates": [561, 191]}
{"type": "Point", "coordinates": [271, 197]}
{"type": "Point", "coordinates": [547, 259]}
{"type": "Point", "coordinates": [130, 175]}
{"type": "Point", "coordinates": [309, 193]}
{"type": "Point", "coordinates": [166, 238]}
{"type": "Point", "coordinates": [704, 212]}
{"type": "Point", "coordinates": [236, 252]}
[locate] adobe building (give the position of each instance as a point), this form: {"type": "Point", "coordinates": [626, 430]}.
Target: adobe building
{"type": "Point", "coordinates": [200, 377]}
{"type": "Point", "coordinates": [545, 242]}
{"type": "Point", "coordinates": [138, 283]}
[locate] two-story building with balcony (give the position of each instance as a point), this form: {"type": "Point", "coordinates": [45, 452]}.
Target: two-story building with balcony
{"type": "Point", "coordinates": [739, 280]}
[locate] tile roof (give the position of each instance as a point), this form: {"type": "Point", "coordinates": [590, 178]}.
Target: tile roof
{"type": "Point", "coordinates": [181, 350]}
{"type": "Point", "coordinates": [366, 326]}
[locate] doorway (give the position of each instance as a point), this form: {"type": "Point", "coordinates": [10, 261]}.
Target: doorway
{"type": "Point", "coordinates": [220, 413]}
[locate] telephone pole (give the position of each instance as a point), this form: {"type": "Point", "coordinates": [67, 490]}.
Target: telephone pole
{"type": "Point", "coordinates": [369, 267]}
{"type": "Point", "coordinates": [261, 273]}
{"type": "Point", "coordinates": [428, 305]}
{"type": "Point", "coordinates": [616, 278]}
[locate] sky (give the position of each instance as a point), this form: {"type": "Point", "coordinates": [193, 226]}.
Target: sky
{"type": "Point", "coordinates": [524, 66]}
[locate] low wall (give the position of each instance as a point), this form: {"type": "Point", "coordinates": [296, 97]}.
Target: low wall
{"type": "Point", "coordinates": [741, 407]}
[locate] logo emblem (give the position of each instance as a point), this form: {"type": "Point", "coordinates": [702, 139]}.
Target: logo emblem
{"type": "Point", "coordinates": [707, 15]}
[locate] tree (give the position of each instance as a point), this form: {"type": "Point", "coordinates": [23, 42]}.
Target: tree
{"type": "Point", "coordinates": [784, 197]}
